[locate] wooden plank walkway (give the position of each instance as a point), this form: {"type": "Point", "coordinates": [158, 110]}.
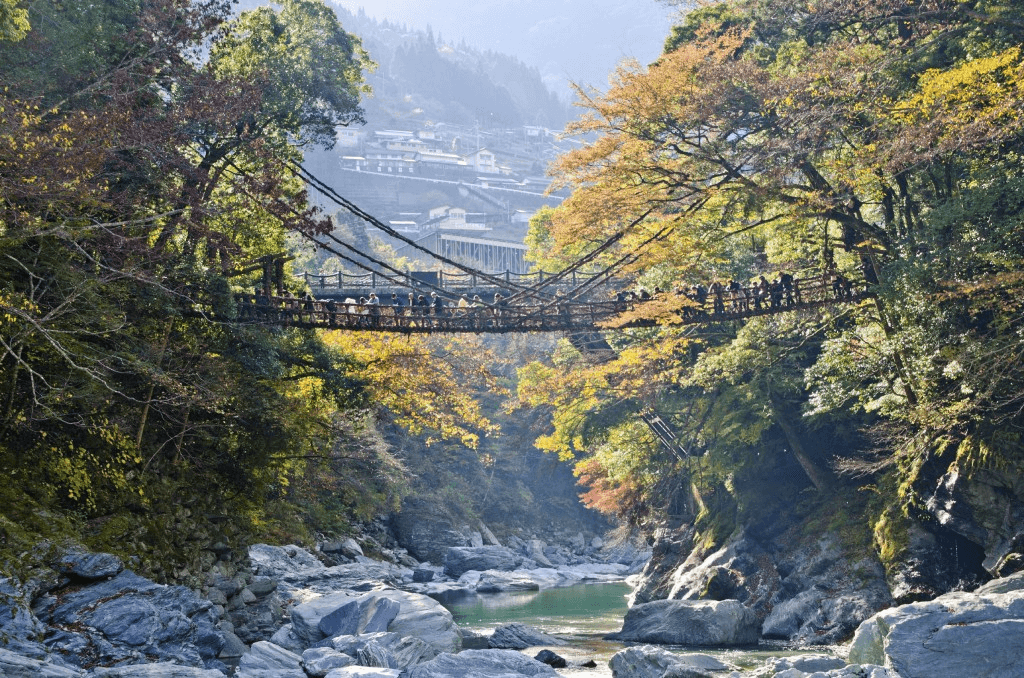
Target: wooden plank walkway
{"type": "Point", "coordinates": [557, 316]}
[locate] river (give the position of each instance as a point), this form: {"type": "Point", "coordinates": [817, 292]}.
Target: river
{"type": "Point", "coordinates": [583, 615]}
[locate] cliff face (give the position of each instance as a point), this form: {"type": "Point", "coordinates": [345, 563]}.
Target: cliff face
{"type": "Point", "coordinates": [812, 574]}
{"type": "Point", "coordinates": [505, 490]}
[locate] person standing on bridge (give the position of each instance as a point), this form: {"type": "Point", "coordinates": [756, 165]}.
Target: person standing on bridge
{"type": "Point", "coordinates": [332, 312]}
{"type": "Point", "coordinates": [373, 303]}
{"type": "Point", "coordinates": [736, 295]}
{"type": "Point", "coordinates": [838, 282]}
{"type": "Point", "coordinates": [788, 287]}
{"type": "Point", "coordinates": [476, 311]}
{"type": "Point", "coordinates": [717, 290]}
{"type": "Point", "coordinates": [437, 303]}
{"type": "Point", "coordinates": [422, 309]}
{"type": "Point", "coordinates": [776, 291]}
{"type": "Point", "coordinates": [396, 309]}
{"type": "Point", "coordinates": [499, 303]}
{"type": "Point", "coordinates": [564, 317]}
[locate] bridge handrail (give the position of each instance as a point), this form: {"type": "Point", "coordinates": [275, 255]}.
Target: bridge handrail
{"type": "Point", "coordinates": [562, 315]}
{"type": "Point", "coordinates": [372, 281]}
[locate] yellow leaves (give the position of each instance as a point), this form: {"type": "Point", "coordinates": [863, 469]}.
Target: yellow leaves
{"type": "Point", "coordinates": [974, 86]}
{"type": "Point", "coordinates": [426, 384]}
{"type": "Point", "coordinates": [976, 102]}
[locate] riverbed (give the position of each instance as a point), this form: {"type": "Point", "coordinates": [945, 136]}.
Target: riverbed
{"type": "Point", "coordinates": [583, 615]}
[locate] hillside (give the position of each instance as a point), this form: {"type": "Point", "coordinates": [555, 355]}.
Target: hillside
{"type": "Point", "coordinates": [422, 76]}
{"type": "Point", "coordinates": [569, 41]}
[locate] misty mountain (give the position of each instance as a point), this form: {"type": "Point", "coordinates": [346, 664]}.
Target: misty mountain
{"type": "Point", "coordinates": [423, 77]}
{"type": "Point", "coordinates": [420, 77]}
{"type": "Point", "coordinates": [567, 40]}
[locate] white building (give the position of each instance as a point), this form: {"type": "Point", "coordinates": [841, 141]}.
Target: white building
{"type": "Point", "coordinates": [349, 138]}
{"type": "Point", "coordinates": [483, 161]}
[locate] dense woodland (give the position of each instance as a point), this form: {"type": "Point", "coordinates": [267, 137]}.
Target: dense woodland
{"type": "Point", "coordinates": [882, 140]}
{"type": "Point", "coordinates": [146, 157]}
{"type": "Point", "coordinates": [146, 152]}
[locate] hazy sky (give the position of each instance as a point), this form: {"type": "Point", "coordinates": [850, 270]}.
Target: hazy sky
{"type": "Point", "coordinates": [579, 40]}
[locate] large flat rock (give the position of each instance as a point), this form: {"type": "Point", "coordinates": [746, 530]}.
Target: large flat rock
{"type": "Point", "coordinates": [480, 664]}
{"type": "Point", "coordinates": [957, 634]}
{"type": "Point", "coordinates": [13, 665]}
{"type": "Point", "coordinates": [418, 616]}
{"type": "Point", "coordinates": [654, 662]}
{"type": "Point", "coordinates": [516, 636]}
{"type": "Point", "coordinates": [422, 617]}
{"type": "Point", "coordinates": [159, 670]}
{"type": "Point", "coordinates": [461, 559]}
{"type": "Point", "coordinates": [690, 622]}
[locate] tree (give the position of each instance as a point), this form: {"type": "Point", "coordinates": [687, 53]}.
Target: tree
{"type": "Point", "coordinates": [876, 139]}
{"type": "Point", "coordinates": [132, 177]}
{"type": "Point", "coordinates": [13, 21]}
{"type": "Point", "coordinates": [309, 69]}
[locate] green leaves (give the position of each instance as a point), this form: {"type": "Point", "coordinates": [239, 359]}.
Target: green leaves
{"type": "Point", "coordinates": [308, 68]}
{"type": "Point", "coordinates": [123, 211]}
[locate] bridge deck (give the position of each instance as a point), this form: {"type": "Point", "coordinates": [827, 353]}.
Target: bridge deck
{"type": "Point", "coordinates": [560, 317]}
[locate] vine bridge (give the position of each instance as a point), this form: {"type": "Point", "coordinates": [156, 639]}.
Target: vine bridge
{"type": "Point", "coordinates": [456, 304]}
{"type": "Point", "coordinates": [385, 299]}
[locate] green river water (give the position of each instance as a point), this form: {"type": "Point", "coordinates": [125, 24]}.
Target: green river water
{"type": "Point", "coordinates": [582, 615]}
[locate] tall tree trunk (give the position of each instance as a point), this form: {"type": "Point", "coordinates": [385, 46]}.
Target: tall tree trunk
{"type": "Point", "coordinates": [152, 387]}
{"type": "Point", "coordinates": [820, 476]}
{"type": "Point", "coordinates": [897, 356]}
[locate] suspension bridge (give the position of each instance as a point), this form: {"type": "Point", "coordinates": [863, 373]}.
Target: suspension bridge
{"type": "Point", "coordinates": [450, 309]}
{"type": "Point", "coordinates": [466, 300]}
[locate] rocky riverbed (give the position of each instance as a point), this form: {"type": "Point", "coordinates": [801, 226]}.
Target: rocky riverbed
{"type": "Point", "coordinates": [291, 615]}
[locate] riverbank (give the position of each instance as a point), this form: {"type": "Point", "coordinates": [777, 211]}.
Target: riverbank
{"type": "Point", "coordinates": [98, 620]}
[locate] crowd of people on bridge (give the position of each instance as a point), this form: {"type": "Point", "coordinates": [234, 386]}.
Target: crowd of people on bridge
{"type": "Point", "coordinates": [470, 311]}
{"type": "Point", "coordinates": [395, 310]}
{"type": "Point", "coordinates": [736, 298]}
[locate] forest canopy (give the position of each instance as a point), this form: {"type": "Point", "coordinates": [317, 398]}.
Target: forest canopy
{"type": "Point", "coordinates": [146, 153]}
{"type": "Point", "coordinates": [877, 140]}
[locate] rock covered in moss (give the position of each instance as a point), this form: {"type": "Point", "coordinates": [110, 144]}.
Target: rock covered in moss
{"type": "Point", "coordinates": [19, 628]}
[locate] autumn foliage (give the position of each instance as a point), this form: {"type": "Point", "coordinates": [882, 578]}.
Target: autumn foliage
{"type": "Point", "coordinates": [880, 140]}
